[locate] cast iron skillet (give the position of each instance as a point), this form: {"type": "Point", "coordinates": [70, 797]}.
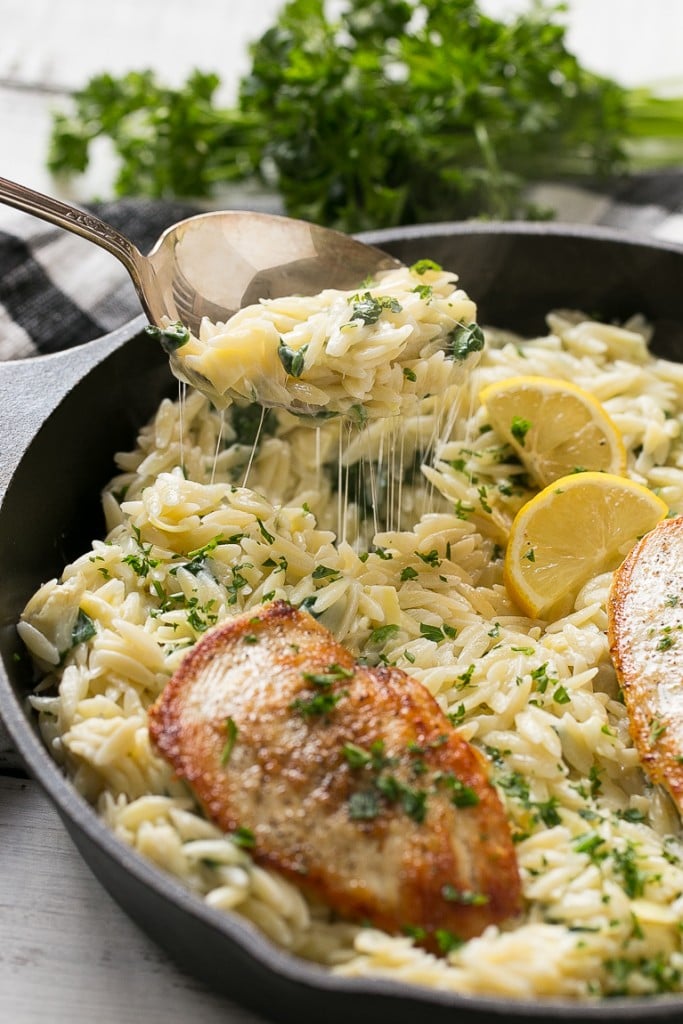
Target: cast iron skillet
{"type": "Point", "coordinates": [61, 419]}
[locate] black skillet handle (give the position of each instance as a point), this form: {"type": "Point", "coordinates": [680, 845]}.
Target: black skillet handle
{"type": "Point", "coordinates": [31, 389]}
{"type": "Point", "coordinates": [62, 417]}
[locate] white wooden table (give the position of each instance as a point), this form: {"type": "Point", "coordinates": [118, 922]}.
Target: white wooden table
{"type": "Point", "coordinates": [67, 952]}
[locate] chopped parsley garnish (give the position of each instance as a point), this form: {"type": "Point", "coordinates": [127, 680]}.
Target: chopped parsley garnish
{"type": "Point", "coordinates": [465, 897]}
{"type": "Point", "coordinates": [194, 567]}
{"type": "Point", "coordinates": [548, 813]}
{"type": "Point", "coordinates": [388, 789]}
{"type": "Point", "coordinates": [462, 510]}
{"type": "Point", "coordinates": [633, 879]}
{"type": "Point", "coordinates": [430, 558]}
{"type": "Point", "coordinates": [83, 628]}
{"type": "Point", "coordinates": [457, 717]}
{"type": "Point", "coordinates": [666, 640]}
{"type": "Point", "coordinates": [422, 266]}
{"type": "Point", "coordinates": [631, 814]}
{"type": "Point", "coordinates": [408, 573]}
{"type": "Point", "coordinates": [323, 701]}
{"type": "Point", "coordinates": [293, 360]}
{"type": "Point", "coordinates": [243, 837]}
{"type": "Point", "coordinates": [237, 583]}
{"type": "Point", "coordinates": [319, 704]}
{"type": "Point", "coordinates": [385, 788]}
{"type": "Point", "coordinates": [539, 675]}
{"type": "Point", "coordinates": [268, 537]}
{"type": "Point", "coordinates": [561, 695]}
{"type": "Point", "coordinates": [380, 635]}
{"type": "Point", "coordinates": [199, 616]}
{"type": "Point", "coordinates": [356, 756]}
{"type": "Point", "coordinates": [461, 794]}
{"type": "Point", "coordinates": [413, 801]}
{"type": "Point", "coordinates": [171, 338]}
{"type": "Point", "coordinates": [657, 730]}
{"type": "Point", "coordinates": [519, 428]}
{"type": "Point", "coordinates": [483, 501]}
{"type": "Point", "coordinates": [438, 633]}
{"type": "Point", "coordinates": [368, 308]}
{"type": "Point", "coordinates": [322, 572]}
{"type": "Point", "coordinates": [364, 805]}
{"type": "Point", "coordinates": [203, 551]}
{"type": "Point", "coordinates": [231, 731]}
{"type": "Point", "coordinates": [332, 674]}
{"type": "Point", "coordinates": [591, 843]}
{"type": "Point", "coordinates": [447, 941]}
{"type": "Point", "coordinates": [358, 414]}
{"type": "Point", "coordinates": [308, 604]}
{"type": "Point", "coordinates": [142, 562]}
{"type": "Point", "coordinates": [465, 339]}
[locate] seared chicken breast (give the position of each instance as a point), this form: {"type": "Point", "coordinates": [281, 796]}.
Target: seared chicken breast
{"type": "Point", "coordinates": [348, 780]}
{"type": "Point", "coordinates": [645, 614]}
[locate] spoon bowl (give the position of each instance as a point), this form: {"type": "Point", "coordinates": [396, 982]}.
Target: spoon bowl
{"type": "Point", "coordinates": [213, 264]}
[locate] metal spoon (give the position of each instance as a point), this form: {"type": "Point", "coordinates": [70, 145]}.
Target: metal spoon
{"type": "Point", "coordinates": [215, 263]}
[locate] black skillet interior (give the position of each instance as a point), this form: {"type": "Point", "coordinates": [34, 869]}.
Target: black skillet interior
{"type": "Point", "coordinates": [66, 415]}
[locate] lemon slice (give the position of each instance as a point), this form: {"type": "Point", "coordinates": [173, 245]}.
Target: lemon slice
{"type": "Point", "coordinates": [580, 525]}
{"type": "Point", "coordinates": [554, 426]}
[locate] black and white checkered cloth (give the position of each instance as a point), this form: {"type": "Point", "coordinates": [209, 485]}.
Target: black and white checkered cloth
{"type": "Point", "coordinates": [58, 290]}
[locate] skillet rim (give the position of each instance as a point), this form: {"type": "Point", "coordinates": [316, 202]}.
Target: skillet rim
{"type": "Point", "coordinates": [81, 819]}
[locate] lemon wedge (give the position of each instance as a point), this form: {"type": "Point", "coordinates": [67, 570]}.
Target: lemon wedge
{"type": "Point", "coordinates": [580, 525]}
{"type": "Point", "coordinates": [554, 426]}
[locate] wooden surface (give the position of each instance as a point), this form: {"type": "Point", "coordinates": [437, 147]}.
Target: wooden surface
{"type": "Point", "coordinates": [67, 952]}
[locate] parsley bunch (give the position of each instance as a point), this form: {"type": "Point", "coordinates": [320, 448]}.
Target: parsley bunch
{"type": "Point", "coordinates": [393, 112]}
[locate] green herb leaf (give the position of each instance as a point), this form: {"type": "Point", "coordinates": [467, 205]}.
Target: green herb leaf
{"type": "Point", "coordinates": [364, 805]}
{"type": "Point", "coordinates": [356, 756]}
{"type": "Point", "coordinates": [171, 338]}
{"type": "Point", "coordinates": [408, 573]}
{"type": "Point", "coordinates": [368, 308]}
{"type": "Point", "coordinates": [519, 428]}
{"type": "Point", "coordinates": [447, 941]}
{"type": "Point", "coordinates": [466, 339]}
{"type": "Point", "coordinates": [434, 633]}
{"type": "Point", "coordinates": [331, 675]}
{"type": "Point", "coordinates": [322, 572]}
{"type": "Point", "coordinates": [268, 537]}
{"type": "Point", "coordinates": [243, 837]}
{"type": "Point", "coordinates": [422, 266]}
{"type": "Point", "coordinates": [376, 149]}
{"type": "Point", "coordinates": [231, 732]}
{"type": "Point", "coordinates": [293, 360]}
{"type": "Point", "coordinates": [465, 897]}
{"type": "Point", "coordinates": [380, 635]}
{"type": "Point", "coordinates": [83, 628]}
{"type": "Point", "coordinates": [319, 705]}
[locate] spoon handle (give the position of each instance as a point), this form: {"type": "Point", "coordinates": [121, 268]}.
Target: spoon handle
{"type": "Point", "coordinates": [72, 219]}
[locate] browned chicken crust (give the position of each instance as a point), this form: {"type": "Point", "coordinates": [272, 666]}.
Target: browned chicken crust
{"type": "Point", "coordinates": [645, 616]}
{"type": "Point", "coordinates": [351, 780]}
